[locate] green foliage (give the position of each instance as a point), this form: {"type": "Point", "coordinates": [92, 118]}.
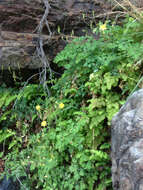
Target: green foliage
{"type": "Point", "coordinates": [65, 143]}
{"type": "Point", "coordinates": [18, 114]}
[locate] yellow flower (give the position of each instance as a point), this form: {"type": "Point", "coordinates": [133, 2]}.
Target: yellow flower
{"type": "Point", "coordinates": [38, 107]}
{"type": "Point", "coordinates": [61, 105]}
{"type": "Point", "coordinates": [102, 27]}
{"type": "Point", "coordinates": [43, 123]}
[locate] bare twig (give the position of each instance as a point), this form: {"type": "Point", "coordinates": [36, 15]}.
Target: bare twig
{"type": "Point", "coordinates": [21, 91]}
{"type": "Point", "coordinates": [44, 60]}
{"type": "Point", "coordinates": [40, 50]}
{"type": "Point", "coordinates": [130, 9]}
{"type": "Point", "coordinates": [21, 183]}
{"type": "Point", "coordinates": [108, 13]}
{"type": "Point", "coordinates": [44, 18]}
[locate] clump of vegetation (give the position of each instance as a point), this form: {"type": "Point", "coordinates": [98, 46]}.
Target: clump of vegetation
{"type": "Point", "coordinates": [63, 141]}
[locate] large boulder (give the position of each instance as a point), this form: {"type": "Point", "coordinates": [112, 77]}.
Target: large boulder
{"type": "Point", "coordinates": [127, 145]}
{"type": "Point", "coordinates": [8, 184]}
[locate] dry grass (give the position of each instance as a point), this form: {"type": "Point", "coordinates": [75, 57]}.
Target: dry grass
{"type": "Point", "coordinates": [135, 10]}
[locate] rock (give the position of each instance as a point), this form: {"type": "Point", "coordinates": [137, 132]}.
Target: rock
{"type": "Point", "coordinates": [127, 145]}
{"type": "Point", "coordinates": [8, 184]}
{"type": "Point", "coordinates": [19, 20]}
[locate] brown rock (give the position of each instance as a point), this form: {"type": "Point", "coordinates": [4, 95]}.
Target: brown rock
{"type": "Point", "coordinates": [19, 20]}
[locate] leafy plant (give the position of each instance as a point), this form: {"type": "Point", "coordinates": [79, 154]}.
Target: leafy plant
{"type": "Point", "coordinates": [67, 136]}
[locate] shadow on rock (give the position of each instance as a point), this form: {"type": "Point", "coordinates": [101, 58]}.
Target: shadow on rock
{"type": "Point", "coordinates": [8, 184]}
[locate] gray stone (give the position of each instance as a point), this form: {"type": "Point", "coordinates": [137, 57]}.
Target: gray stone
{"type": "Point", "coordinates": [8, 184]}
{"type": "Point", "coordinates": [127, 145]}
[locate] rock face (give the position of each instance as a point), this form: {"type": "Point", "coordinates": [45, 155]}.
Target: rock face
{"type": "Point", "coordinates": [127, 145]}
{"type": "Point", "coordinates": [8, 184]}
{"type": "Point", "coordinates": [20, 20]}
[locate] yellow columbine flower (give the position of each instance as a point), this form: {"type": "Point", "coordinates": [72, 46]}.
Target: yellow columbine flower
{"type": "Point", "coordinates": [61, 105]}
{"type": "Point", "coordinates": [38, 107]}
{"type": "Point", "coordinates": [43, 123]}
{"type": "Point", "coordinates": [102, 27]}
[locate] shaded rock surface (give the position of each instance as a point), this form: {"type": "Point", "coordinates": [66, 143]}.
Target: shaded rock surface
{"type": "Point", "coordinates": [127, 145]}
{"type": "Point", "coordinates": [8, 184]}
{"type": "Point", "coordinates": [19, 20]}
